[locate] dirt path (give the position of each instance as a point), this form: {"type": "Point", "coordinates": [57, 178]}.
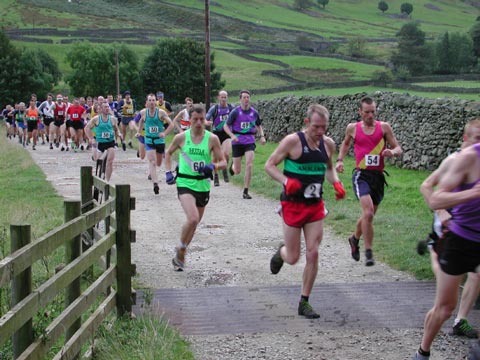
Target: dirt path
{"type": "Point", "coordinates": [232, 247]}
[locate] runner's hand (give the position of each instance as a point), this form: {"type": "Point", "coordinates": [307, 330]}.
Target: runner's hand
{"type": "Point", "coordinates": [292, 186]}
{"type": "Point", "coordinates": [339, 190]}
{"type": "Point", "coordinates": [207, 170]}
{"type": "Point", "coordinates": [170, 179]}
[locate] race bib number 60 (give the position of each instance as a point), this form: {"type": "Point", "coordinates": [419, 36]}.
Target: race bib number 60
{"type": "Point", "coordinates": [372, 160]}
{"type": "Point", "coordinates": [312, 191]}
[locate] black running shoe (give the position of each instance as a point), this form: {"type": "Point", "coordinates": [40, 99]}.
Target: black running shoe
{"type": "Point", "coordinates": [463, 328]}
{"type": "Point", "coordinates": [225, 175]}
{"type": "Point", "coordinates": [369, 258]}
{"type": "Point", "coordinates": [276, 262]}
{"type": "Point", "coordinates": [156, 189]}
{"type": "Point", "coordinates": [216, 182]}
{"type": "Point", "coordinates": [246, 195]}
{"type": "Point", "coordinates": [230, 169]}
{"type": "Point", "coordinates": [130, 144]}
{"type": "Point", "coordinates": [124, 146]}
{"type": "Point", "coordinates": [354, 247]}
{"type": "Point", "coordinates": [138, 153]}
{"type": "Point", "coordinates": [305, 309]}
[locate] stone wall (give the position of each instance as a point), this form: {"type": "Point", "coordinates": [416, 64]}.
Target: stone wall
{"type": "Point", "coordinates": [427, 129]}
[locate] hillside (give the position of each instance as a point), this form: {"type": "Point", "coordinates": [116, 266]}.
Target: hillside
{"type": "Point", "coordinates": [248, 36]}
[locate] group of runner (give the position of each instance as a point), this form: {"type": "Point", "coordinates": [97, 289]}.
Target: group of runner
{"type": "Point", "coordinates": [307, 157]}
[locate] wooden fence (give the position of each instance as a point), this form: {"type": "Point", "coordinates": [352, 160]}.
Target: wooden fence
{"type": "Point", "coordinates": [108, 223]}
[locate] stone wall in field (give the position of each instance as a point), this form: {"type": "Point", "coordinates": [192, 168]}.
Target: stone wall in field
{"type": "Point", "coordinates": [427, 129]}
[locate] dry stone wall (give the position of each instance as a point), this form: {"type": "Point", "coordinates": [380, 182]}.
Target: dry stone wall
{"type": "Point", "coordinates": [427, 129]}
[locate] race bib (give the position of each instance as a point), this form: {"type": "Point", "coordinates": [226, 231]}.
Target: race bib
{"type": "Point", "coordinates": [245, 125]}
{"type": "Point", "coordinates": [372, 160]}
{"type": "Point", "coordinates": [313, 191]}
{"type": "Point", "coordinates": [129, 111]}
{"type": "Point", "coordinates": [60, 113]}
{"type": "Point", "coordinates": [75, 116]}
{"type": "Point", "coordinates": [153, 129]}
{"type": "Point", "coordinates": [197, 164]}
{"type": "Point", "coordinates": [105, 135]}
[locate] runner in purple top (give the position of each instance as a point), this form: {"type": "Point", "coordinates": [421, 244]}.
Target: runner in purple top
{"type": "Point", "coordinates": [459, 189]}
{"type": "Point", "coordinates": [242, 125]}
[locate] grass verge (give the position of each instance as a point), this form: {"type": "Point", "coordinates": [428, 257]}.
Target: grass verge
{"type": "Point", "coordinates": [28, 198]}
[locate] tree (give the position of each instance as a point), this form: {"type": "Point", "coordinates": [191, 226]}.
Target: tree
{"type": "Point", "coordinates": [24, 72]}
{"type": "Point", "coordinates": [94, 69]}
{"type": "Point", "coordinates": [382, 6]}
{"type": "Point", "coordinates": [357, 46]}
{"type": "Point", "coordinates": [302, 4]}
{"type": "Point", "coordinates": [177, 66]}
{"type": "Point", "coordinates": [475, 35]}
{"type": "Point", "coordinates": [323, 2]}
{"type": "Point", "coordinates": [406, 8]}
{"type": "Point", "coordinates": [412, 52]}
{"type": "Point", "coordinates": [454, 54]}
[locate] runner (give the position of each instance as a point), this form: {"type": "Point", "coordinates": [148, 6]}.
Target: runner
{"type": "Point", "coordinates": [76, 115]}
{"type": "Point", "coordinates": [33, 117]}
{"type": "Point", "coordinates": [182, 120]}
{"type": "Point", "coordinates": [458, 189]}
{"type": "Point", "coordinates": [242, 125]}
{"type": "Point", "coordinates": [126, 110]}
{"type": "Point", "coordinates": [59, 126]}
{"type": "Point", "coordinates": [21, 123]}
{"type": "Point", "coordinates": [155, 132]}
{"type": "Point", "coordinates": [7, 115]}
{"type": "Point", "coordinates": [46, 109]}
{"type": "Point", "coordinates": [369, 137]}
{"type": "Point", "coordinates": [217, 116]}
{"type": "Point", "coordinates": [201, 154]}
{"type": "Point", "coordinates": [307, 157]}
{"type": "Point", "coordinates": [106, 127]}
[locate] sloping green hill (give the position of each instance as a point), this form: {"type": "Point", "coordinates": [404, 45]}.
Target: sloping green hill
{"type": "Point", "coordinates": [239, 29]}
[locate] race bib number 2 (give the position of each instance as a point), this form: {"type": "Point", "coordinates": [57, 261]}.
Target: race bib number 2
{"type": "Point", "coordinates": [372, 160]}
{"type": "Point", "coordinates": [313, 191]}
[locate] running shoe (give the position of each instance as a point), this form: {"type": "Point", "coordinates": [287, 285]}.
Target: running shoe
{"type": "Point", "coordinates": [33, 147]}
{"type": "Point", "coordinates": [215, 180]}
{"type": "Point", "coordinates": [230, 169]}
{"type": "Point", "coordinates": [463, 328]}
{"type": "Point", "coordinates": [276, 262]}
{"type": "Point", "coordinates": [149, 177]}
{"type": "Point", "coordinates": [130, 144]}
{"type": "Point", "coordinates": [179, 260]}
{"type": "Point", "coordinates": [62, 148]}
{"type": "Point", "coordinates": [246, 195]}
{"type": "Point", "coordinates": [51, 146]}
{"type": "Point", "coordinates": [82, 147]}
{"type": "Point", "coordinates": [369, 258]}
{"type": "Point", "coordinates": [124, 146]}
{"type": "Point", "coordinates": [305, 309]}
{"type": "Point", "coordinates": [417, 356]}
{"type": "Point", "coordinates": [225, 175]}
{"type": "Point", "coordinates": [354, 247]}
{"type": "Point", "coordinates": [57, 145]}
{"type": "Point", "coordinates": [156, 189]}
{"type": "Point", "coordinates": [138, 153]}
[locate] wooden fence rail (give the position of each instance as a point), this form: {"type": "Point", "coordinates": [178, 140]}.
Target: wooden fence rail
{"type": "Point", "coordinates": [108, 223]}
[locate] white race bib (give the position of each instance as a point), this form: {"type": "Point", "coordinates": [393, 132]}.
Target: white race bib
{"type": "Point", "coordinates": [312, 191]}
{"type": "Point", "coordinates": [105, 135]}
{"type": "Point", "coordinates": [153, 129]}
{"type": "Point", "coordinates": [372, 160]}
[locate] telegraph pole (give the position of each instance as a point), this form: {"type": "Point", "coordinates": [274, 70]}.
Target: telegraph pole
{"type": "Point", "coordinates": [207, 55]}
{"type": "Point", "coordinates": [117, 73]}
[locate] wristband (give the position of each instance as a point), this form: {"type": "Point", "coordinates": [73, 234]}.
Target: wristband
{"type": "Point", "coordinates": [338, 160]}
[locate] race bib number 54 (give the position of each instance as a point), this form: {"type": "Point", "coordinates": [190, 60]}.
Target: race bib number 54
{"type": "Point", "coordinates": [372, 160]}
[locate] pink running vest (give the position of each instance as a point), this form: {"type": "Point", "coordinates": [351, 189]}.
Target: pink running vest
{"type": "Point", "coordinates": [367, 148]}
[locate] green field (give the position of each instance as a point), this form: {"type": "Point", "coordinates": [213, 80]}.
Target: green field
{"type": "Point", "coordinates": [457, 83]}
{"type": "Point", "coordinates": [363, 89]}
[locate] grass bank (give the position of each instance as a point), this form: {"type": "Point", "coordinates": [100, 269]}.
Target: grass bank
{"type": "Point", "coordinates": [28, 198]}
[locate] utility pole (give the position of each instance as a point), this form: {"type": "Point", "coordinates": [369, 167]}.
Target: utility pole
{"type": "Point", "coordinates": [207, 55]}
{"type": "Point", "coordinates": [117, 73]}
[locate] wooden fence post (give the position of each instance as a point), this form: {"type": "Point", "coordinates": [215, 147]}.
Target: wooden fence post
{"type": "Point", "coordinates": [20, 235]}
{"type": "Point", "coordinates": [73, 249]}
{"type": "Point", "coordinates": [124, 256]}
